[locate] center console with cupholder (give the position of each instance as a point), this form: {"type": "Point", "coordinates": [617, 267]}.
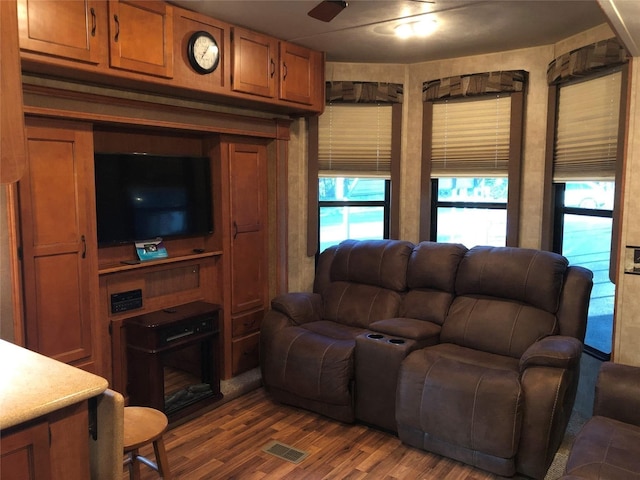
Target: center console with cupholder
{"type": "Point", "coordinates": [377, 363]}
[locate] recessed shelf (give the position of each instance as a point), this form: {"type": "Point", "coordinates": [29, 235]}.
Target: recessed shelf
{"type": "Point", "coordinates": [121, 267]}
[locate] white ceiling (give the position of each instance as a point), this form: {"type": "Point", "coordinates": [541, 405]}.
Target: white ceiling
{"type": "Point", "coordinates": [363, 32]}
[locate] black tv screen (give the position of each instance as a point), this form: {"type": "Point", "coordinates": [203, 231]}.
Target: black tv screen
{"type": "Point", "coordinates": [144, 196]}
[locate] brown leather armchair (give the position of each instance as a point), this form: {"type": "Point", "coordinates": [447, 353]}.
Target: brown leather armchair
{"type": "Point", "coordinates": [498, 389]}
{"type": "Point", "coordinates": [608, 445]}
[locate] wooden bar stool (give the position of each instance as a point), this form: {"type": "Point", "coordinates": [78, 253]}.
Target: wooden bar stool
{"type": "Point", "coordinates": [144, 425]}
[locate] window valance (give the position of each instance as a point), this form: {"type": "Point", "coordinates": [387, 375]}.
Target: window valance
{"type": "Point", "coordinates": [587, 60]}
{"type": "Point", "coordinates": [474, 84]}
{"type": "Point", "coordinates": [364, 92]}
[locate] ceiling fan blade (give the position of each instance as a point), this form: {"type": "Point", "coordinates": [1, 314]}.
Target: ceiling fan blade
{"type": "Point", "coordinates": [327, 10]}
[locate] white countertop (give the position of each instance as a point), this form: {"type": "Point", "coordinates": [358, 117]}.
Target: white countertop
{"type": "Point", "coordinates": [32, 385]}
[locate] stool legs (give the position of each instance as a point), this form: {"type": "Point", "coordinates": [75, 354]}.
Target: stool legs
{"type": "Point", "coordinates": [161, 459]}
{"type": "Point", "coordinates": [142, 426]}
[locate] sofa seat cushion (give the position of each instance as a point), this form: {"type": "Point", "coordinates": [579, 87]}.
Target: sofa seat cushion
{"type": "Point", "coordinates": [312, 364]}
{"type": "Point", "coordinates": [605, 449]}
{"type": "Point", "coordinates": [460, 405]}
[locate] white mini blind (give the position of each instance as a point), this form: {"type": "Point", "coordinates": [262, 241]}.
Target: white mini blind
{"type": "Point", "coordinates": [355, 140]}
{"type": "Point", "coordinates": [587, 130]}
{"type": "Point", "coordinates": [471, 138]}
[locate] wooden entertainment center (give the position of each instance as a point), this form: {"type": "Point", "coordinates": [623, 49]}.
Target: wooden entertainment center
{"type": "Point", "coordinates": [95, 93]}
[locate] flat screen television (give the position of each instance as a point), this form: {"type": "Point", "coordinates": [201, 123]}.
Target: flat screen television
{"type": "Point", "coordinates": [145, 196]}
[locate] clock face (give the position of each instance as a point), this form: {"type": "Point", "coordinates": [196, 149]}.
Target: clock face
{"type": "Point", "coordinates": [203, 52]}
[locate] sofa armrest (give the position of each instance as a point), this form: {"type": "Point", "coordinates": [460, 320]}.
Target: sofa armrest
{"type": "Point", "coordinates": [618, 393]}
{"type": "Point", "coordinates": [554, 351]}
{"type": "Point", "coordinates": [300, 307]}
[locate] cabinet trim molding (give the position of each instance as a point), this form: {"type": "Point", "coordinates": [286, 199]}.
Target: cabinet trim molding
{"type": "Point", "coordinates": [57, 103]}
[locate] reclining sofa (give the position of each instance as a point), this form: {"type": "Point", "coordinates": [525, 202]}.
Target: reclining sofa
{"type": "Point", "coordinates": [472, 354]}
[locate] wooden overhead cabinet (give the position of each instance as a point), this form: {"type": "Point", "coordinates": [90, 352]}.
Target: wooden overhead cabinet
{"type": "Point", "coordinates": [72, 29]}
{"type": "Point", "coordinates": [12, 139]}
{"type": "Point", "coordinates": [254, 63]}
{"type": "Point", "coordinates": [301, 69]}
{"type": "Point", "coordinates": [141, 36]}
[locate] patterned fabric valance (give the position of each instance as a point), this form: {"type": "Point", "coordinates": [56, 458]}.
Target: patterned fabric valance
{"type": "Point", "coordinates": [474, 84]}
{"type": "Point", "coordinates": [364, 92]}
{"type": "Point", "coordinates": [586, 60]}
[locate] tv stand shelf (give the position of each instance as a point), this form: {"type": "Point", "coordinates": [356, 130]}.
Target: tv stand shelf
{"type": "Point", "coordinates": [122, 267]}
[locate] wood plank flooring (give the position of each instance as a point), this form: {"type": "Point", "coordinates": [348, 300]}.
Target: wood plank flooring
{"type": "Point", "coordinates": [226, 443]}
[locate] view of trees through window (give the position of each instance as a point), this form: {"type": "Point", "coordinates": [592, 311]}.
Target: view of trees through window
{"type": "Point", "coordinates": [470, 210]}
{"type": "Point", "coordinates": [351, 207]}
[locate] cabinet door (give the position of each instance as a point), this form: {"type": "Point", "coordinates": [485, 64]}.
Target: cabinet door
{"type": "Point", "coordinates": [298, 73]}
{"type": "Point", "coordinates": [254, 60]}
{"type": "Point", "coordinates": [141, 36]}
{"type": "Point", "coordinates": [248, 190]}
{"type": "Point", "coordinates": [59, 246]}
{"type": "Point", "coordinates": [12, 140]}
{"type": "Point", "coordinates": [25, 454]}
{"type": "Point", "coordinates": [67, 29]}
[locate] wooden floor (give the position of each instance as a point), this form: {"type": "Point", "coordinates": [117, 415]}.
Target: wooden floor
{"type": "Point", "coordinates": [226, 443]}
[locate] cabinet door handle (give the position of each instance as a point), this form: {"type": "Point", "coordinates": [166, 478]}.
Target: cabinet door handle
{"type": "Point", "coordinates": [273, 68]}
{"type": "Point", "coordinates": [284, 73]}
{"type": "Point", "coordinates": [84, 246]}
{"type": "Point", "coordinates": [235, 229]}
{"type": "Point", "coordinates": [115, 19]}
{"type": "Point", "coordinates": [93, 22]}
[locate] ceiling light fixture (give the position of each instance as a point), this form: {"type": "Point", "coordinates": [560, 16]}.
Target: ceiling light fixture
{"type": "Point", "coordinates": [420, 28]}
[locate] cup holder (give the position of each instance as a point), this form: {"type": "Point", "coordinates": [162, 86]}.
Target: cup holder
{"type": "Point", "coordinates": [396, 341]}
{"type": "Point", "coordinates": [375, 336]}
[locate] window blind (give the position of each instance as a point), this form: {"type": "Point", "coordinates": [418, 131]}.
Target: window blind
{"type": "Point", "coordinates": [471, 138]}
{"type": "Point", "coordinates": [355, 140]}
{"type": "Point", "coordinates": [587, 130]}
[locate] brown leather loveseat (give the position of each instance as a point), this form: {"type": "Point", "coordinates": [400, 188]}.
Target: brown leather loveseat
{"type": "Point", "coordinates": [608, 445]}
{"type": "Point", "coordinates": [473, 354]}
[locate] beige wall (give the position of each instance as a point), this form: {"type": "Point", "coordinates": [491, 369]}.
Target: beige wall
{"type": "Point", "coordinates": [627, 324]}
{"type": "Point", "coordinates": [534, 61]}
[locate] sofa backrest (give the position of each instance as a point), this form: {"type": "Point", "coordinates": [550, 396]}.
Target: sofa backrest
{"type": "Point", "coordinates": [506, 299]}
{"type": "Point", "coordinates": [431, 279]}
{"type": "Point", "coordinates": [366, 280]}
{"type": "Point", "coordinates": [381, 263]}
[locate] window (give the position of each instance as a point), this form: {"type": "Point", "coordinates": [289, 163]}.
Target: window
{"type": "Point", "coordinates": [585, 153]}
{"type": "Point", "coordinates": [351, 207]}
{"type": "Point", "coordinates": [356, 157]}
{"type": "Point", "coordinates": [470, 210]}
{"type": "Point", "coordinates": [473, 154]}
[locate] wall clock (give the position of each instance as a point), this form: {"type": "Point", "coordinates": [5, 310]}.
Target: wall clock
{"type": "Point", "coordinates": [203, 52]}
